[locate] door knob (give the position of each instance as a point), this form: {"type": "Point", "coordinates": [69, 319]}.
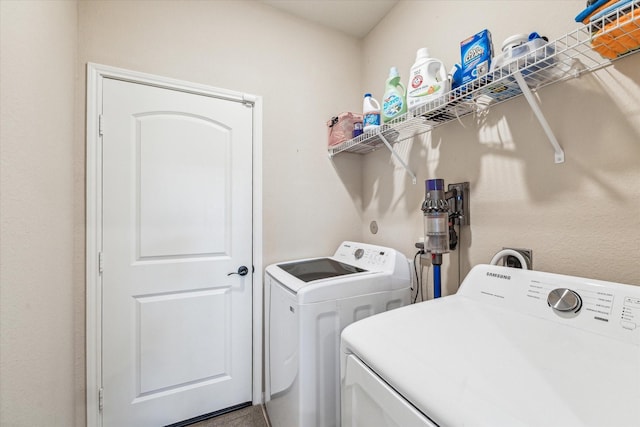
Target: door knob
{"type": "Point", "coordinates": [242, 271]}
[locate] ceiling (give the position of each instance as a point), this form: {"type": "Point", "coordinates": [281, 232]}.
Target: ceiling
{"type": "Point", "coordinates": [353, 17]}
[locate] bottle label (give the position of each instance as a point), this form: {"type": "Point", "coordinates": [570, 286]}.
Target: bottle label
{"type": "Point", "coordinates": [416, 81]}
{"type": "Point", "coordinates": [425, 90]}
{"type": "Point", "coordinates": [371, 118]}
{"type": "Point", "coordinates": [421, 86]}
{"type": "Point", "coordinates": [392, 105]}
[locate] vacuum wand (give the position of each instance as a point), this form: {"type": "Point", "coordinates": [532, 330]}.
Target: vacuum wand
{"type": "Point", "coordinates": [436, 260]}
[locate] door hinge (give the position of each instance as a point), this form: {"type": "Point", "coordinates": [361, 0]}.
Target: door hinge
{"type": "Point", "coordinates": [249, 100]}
{"type": "Point", "coordinates": [100, 398]}
{"type": "Point", "coordinates": [100, 125]}
{"type": "Point", "coordinates": [100, 262]}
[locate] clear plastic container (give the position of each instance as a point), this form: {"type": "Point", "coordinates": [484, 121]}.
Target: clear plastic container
{"type": "Point", "coordinates": [528, 57]}
{"type": "Point", "coordinates": [436, 225]}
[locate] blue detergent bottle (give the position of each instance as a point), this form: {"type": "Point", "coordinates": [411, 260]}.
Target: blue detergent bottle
{"type": "Point", "coordinates": [371, 113]}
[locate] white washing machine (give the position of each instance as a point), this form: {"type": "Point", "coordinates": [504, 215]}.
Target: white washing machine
{"type": "Point", "coordinates": [511, 348]}
{"type": "Point", "coordinates": [308, 303]}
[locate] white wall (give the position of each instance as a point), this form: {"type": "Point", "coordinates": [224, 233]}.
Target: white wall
{"type": "Point", "coordinates": [581, 217]}
{"type": "Point", "coordinates": [38, 41]}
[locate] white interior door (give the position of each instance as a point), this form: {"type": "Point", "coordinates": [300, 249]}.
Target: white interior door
{"type": "Point", "coordinates": [177, 218]}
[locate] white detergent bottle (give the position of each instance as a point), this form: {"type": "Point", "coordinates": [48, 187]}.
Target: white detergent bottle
{"type": "Point", "coordinates": [371, 113]}
{"type": "Point", "coordinates": [427, 80]}
{"type": "Point", "coordinates": [394, 101]}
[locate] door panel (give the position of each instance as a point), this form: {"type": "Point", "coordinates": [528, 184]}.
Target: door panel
{"type": "Point", "coordinates": [184, 186]}
{"type": "Point", "coordinates": [161, 356]}
{"type": "Point", "coordinates": [177, 217]}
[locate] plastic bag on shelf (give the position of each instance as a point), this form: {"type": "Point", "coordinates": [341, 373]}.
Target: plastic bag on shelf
{"type": "Point", "coordinates": [340, 127]}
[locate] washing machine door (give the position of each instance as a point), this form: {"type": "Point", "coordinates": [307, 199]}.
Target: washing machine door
{"type": "Point", "coordinates": [367, 401]}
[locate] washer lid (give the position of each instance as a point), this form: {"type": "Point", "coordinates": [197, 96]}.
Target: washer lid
{"type": "Point", "coordinates": [355, 269]}
{"type": "Point", "coordinates": [319, 268]}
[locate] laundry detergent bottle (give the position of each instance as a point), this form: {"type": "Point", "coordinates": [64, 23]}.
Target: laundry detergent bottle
{"type": "Point", "coordinates": [371, 113]}
{"type": "Point", "coordinates": [394, 101]}
{"type": "Point", "coordinates": [427, 80]}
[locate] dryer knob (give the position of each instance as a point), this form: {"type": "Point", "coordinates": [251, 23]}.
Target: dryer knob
{"type": "Point", "coordinates": [359, 252]}
{"type": "Point", "coordinates": [564, 300]}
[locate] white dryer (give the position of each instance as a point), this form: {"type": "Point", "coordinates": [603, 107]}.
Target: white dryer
{"type": "Point", "coordinates": [308, 303]}
{"type": "Point", "coordinates": [511, 348]}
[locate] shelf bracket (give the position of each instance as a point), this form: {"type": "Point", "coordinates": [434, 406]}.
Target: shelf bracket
{"type": "Point", "coordinates": [533, 103]}
{"type": "Point", "coordinates": [397, 156]}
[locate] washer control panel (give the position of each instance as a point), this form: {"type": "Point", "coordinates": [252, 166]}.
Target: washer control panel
{"type": "Point", "coordinates": [369, 257]}
{"type": "Point", "coordinates": [607, 308]}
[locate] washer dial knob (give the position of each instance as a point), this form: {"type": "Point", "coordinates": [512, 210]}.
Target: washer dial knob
{"type": "Point", "coordinates": [564, 300]}
{"type": "Point", "coordinates": [358, 253]}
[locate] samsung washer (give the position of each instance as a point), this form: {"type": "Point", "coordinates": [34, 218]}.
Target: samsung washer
{"type": "Point", "coordinates": [511, 348]}
{"type": "Point", "coordinates": [308, 303]}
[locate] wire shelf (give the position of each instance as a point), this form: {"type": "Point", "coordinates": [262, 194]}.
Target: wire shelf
{"type": "Point", "coordinates": [587, 48]}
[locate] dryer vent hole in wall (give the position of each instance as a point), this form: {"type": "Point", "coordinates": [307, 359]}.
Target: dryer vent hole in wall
{"type": "Point", "coordinates": [514, 262]}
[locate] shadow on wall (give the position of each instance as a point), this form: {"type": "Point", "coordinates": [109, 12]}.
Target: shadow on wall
{"type": "Point", "coordinates": [348, 166]}
{"type": "Point", "coordinates": [591, 127]}
{"type": "Point", "coordinates": [596, 119]}
{"type": "Point", "coordinates": [594, 134]}
{"type": "Point", "coordinates": [458, 159]}
{"type": "Point", "coordinates": [579, 112]}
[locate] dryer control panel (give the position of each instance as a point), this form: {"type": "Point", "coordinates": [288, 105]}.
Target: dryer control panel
{"type": "Point", "coordinates": [606, 308]}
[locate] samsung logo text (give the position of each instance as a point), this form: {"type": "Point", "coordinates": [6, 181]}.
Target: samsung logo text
{"type": "Point", "coordinates": [499, 276]}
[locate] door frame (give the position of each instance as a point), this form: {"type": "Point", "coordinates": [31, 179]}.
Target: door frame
{"type": "Point", "coordinates": [96, 73]}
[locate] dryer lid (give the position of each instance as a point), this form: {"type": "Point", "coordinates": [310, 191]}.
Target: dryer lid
{"type": "Point", "coordinates": [496, 353]}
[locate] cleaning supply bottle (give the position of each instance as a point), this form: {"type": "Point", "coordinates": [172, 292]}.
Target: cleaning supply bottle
{"type": "Point", "coordinates": [371, 112]}
{"type": "Point", "coordinates": [427, 80]}
{"type": "Point", "coordinates": [394, 101]}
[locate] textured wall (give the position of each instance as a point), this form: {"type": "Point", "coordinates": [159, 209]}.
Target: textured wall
{"type": "Point", "coordinates": [38, 41]}
{"type": "Point", "coordinates": [581, 217]}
